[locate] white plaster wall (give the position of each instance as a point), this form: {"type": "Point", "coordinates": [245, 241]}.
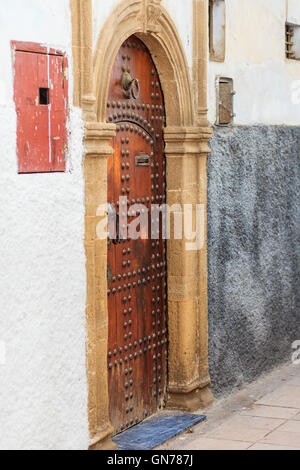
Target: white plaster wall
{"type": "Point", "coordinates": [293, 11]}
{"type": "Point", "coordinates": [181, 12]}
{"type": "Point", "coordinates": [264, 79]}
{"type": "Point", "coordinates": [101, 11]}
{"type": "Point", "coordinates": [43, 386]}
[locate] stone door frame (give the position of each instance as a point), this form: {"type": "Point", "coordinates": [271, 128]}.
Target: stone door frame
{"type": "Point", "coordinates": [186, 137]}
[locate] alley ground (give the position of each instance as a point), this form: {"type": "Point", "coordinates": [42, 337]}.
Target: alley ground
{"type": "Point", "coordinates": [263, 416]}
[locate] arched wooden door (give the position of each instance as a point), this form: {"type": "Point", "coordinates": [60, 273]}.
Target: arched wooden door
{"type": "Point", "coordinates": [137, 289]}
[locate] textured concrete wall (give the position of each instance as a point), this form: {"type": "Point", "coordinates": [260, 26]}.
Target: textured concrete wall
{"type": "Point", "coordinates": [253, 233]}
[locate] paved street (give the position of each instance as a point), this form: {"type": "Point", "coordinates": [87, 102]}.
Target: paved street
{"type": "Point", "coordinates": [264, 416]}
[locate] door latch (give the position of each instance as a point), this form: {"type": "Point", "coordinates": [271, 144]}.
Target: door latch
{"type": "Point", "coordinates": [142, 159]}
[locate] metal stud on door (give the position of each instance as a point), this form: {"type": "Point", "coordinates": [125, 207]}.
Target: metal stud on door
{"type": "Point", "coordinates": [137, 290]}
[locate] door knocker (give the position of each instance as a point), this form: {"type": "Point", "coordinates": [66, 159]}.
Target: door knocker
{"type": "Point", "coordinates": [131, 86]}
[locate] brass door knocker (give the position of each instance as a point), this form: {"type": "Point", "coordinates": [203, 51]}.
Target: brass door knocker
{"type": "Point", "coordinates": [131, 86]}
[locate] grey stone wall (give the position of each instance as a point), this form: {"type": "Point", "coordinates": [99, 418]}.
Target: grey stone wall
{"type": "Point", "coordinates": [253, 252]}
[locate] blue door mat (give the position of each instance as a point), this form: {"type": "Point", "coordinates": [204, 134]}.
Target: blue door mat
{"type": "Point", "coordinates": [155, 431]}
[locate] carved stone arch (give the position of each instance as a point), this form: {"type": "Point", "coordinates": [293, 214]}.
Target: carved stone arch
{"type": "Point", "coordinates": [165, 46]}
{"type": "Point", "coordinates": [186, 152]}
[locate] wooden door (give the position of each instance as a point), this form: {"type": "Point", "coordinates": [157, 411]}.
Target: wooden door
{"type": "Point", "coordinates": [137, 290]}
{"type": "Point", "coordinates": [40, 92]}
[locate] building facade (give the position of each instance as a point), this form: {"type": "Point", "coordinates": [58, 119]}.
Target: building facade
{"type": "Point", "coordinates": [226, 75]}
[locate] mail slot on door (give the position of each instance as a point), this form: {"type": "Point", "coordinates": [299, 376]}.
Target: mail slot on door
{"type": "Point", "coordinates": [142, 159]}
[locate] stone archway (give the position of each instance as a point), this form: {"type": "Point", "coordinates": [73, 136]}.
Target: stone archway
{"type": "Point", "coordinates": [186, 152]}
